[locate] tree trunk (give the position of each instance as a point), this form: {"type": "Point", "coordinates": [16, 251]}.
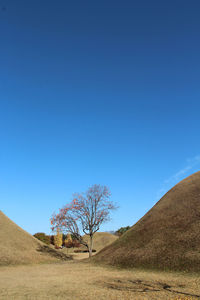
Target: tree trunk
{"type": "Point", "coordinates": [91, 246]}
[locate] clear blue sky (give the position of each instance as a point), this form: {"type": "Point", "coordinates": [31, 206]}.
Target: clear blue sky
{"type": "Point", "coordinates": [104, 92]}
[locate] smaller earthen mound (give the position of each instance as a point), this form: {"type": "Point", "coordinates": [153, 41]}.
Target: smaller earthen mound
{"type": "Point", "coordinates": [101, 240]}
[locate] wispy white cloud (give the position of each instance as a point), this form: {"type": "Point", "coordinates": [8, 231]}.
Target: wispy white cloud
{"type": "Point", "coordinates": [191, 163]}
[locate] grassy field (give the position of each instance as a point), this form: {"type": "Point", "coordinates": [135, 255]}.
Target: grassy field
{"type": "Point", "coordinates": [84, 280]}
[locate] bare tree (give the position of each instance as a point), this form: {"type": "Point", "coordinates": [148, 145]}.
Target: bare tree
{"type": "Point", "coordinates": [85, 214]}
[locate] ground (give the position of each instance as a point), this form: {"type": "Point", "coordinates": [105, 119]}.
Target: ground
{"type": "Point", "coordinates": [83, 280]}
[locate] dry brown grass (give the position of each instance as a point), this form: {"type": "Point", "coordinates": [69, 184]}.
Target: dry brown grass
{"type": "Point", "coordinates": [19, 247]}
{"type": "Point", "coordinates": [167, 237]}
{"type": "Point", "coordinates": [76, 256]}
{"type": "Point", "coordinates": [85, 281]}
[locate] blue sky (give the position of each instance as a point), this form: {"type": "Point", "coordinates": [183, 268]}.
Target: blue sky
{"type": "Point", "coordinates": [102, 92]}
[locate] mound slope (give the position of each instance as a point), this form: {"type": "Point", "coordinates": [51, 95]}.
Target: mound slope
{"type": "Point", "coordinates": [101, 240]}
{"type": "Point", "coordinates": [19, 247]}
{"type": "Point", "coordinates": [167, 237]}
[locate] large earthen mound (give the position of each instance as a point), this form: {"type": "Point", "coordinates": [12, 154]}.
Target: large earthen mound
{"type": "Point", "coordinates": [167, 237]}
{"type": "Point", "coordinates": [19, 247]}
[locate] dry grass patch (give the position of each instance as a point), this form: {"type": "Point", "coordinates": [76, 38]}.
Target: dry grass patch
{"type": "Point", "coordinates": [83, 280]}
